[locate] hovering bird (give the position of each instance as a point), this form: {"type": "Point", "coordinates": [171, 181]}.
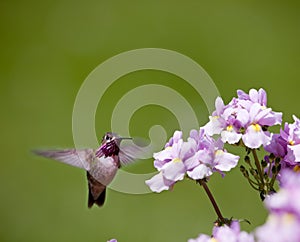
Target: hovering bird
{"type": "Point", "coordinates": [101, 164]}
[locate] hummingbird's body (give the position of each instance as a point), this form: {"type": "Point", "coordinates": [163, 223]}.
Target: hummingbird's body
{"type": "Point", "coordinates": [100, 164]}
{"type": "Point", "coordinates": [103, 170]}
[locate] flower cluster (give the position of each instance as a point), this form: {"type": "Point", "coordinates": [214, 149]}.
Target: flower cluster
{"type": "Point", "coordinates": [226, 233]}
{"type": "Point", "coordinates": [245, 117]}
{"type": "Point", "coordinates": [244, 121]}
{"type": "Point", "coordinates": [283, 222]}
{"type": "Point", "coordinates": [198, 158]}
{"type": "Point", "coordinates": [286, 144]}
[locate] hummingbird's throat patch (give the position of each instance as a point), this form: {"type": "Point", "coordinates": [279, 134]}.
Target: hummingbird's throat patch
{"type": "Point", "coordinates": [108, 149]}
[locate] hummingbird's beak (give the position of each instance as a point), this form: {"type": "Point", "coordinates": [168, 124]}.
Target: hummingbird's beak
{"type": "Point", "coordinates": [121, 138]}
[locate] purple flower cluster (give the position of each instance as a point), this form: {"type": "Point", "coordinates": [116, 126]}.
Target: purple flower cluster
{"type": "Point", "coordinates": [283, 222]}
{"type": "Point", "coordinates": [286, 144]}
{"type": "Point", "coordinates": [226, 233]}
{"type": "Point", "coordinates": [245, 120]}
{"type": "Point", "coordinates": [198, 158]}
{"type": "Point", "coordinates": [245, 117]}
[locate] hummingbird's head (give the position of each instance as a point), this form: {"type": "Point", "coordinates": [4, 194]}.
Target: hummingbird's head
{"type": "Point", "coordinates": [109, 145]}
{"type": "Point", "coordinates": [110, 137]}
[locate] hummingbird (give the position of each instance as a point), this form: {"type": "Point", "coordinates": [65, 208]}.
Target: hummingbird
{"type": "Point", "coordinates": [101, 164]}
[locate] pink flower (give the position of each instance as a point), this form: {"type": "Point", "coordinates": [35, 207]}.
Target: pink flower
{"type": "Point", "coordinates": [286, 145]}
{"type": "Point", "coordinates": [245, 117]}
{"type": "Point", "coordinates": [198, 158]}
{"type": "Point", "coordinates": [283, 222]}
{"type": "Point", "coordinates": [226, 233]}
{"type": "Point", "coordinates": [170, 163]}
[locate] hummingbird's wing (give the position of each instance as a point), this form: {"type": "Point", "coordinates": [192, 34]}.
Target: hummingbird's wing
{"type": "Point", "coordinates": [129, 154]}
{"type": "Point", "coordinates": [78, 158]}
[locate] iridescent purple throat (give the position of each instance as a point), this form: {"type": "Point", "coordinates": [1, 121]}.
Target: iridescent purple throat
{"type": "Point", "coordinates": [108, 149]}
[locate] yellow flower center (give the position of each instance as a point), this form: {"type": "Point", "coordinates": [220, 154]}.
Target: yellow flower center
{"type": "Point", "coordinates": [229, 128]}
{"type": "Point", "coordinates": [176, 160]}
{"type": "Point", "coordinates": [288, 218]}
{"type": "Point", "coordinates": [256, 127]}
{"type": "Point", "coordinates": [291, 142]}
{"type": "Point", "coordinates": [213, 240]}
{"type": "Point", "coordinates": [297, 168]}
{"type": "Point", "coordinates": [219, 152]}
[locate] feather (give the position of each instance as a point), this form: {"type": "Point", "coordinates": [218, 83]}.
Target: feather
{"type": "Point", "coordinates": [78, 158]}
{"type": "Point", "coordinates": [129, 154]}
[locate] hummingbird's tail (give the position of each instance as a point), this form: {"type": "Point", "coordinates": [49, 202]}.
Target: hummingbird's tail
{"type": "Point", "coordinates": [99, 201]}
{"type": "Point", "coordinates": [96, 191]}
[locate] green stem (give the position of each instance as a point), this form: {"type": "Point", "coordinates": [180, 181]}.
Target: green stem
{"type": "Point", "coordinates": [257, 164]}
{"type": "Point", "coordinates": [273, 180]}
{"type": "Point", "coordinates": [269, 169]}
{"type": "Point", "coordinates": [252, 184]}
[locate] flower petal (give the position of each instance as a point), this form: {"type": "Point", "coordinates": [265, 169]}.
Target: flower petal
{"type": "Point", "coordinates": [243, 116]}
{"type": "Point", "coordinates": [219, 104]}
{"type": "Point", "coordinates": [158, 183]}
{"type": "Point", "coordinates": [192, 162]}
{"type": "Point", "coordinates": [174, 170]}
{"type": "Point", "coordinates": [294, 152]}
{"type": "Point", "coordinates": [225, 161]}
{"type": "Point", "coordinates": [231, 137]}
{"type": "Point", "coordinates": [200, 172]}
{"type": "Point", "coordinates": [255, 137]}
{"type": "Point", "coordinates": [201, 238]}
{"type": "Point", "coordinates": [164, 154]}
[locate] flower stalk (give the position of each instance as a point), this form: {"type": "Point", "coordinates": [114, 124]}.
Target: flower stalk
{"type": "Point", "coordinates": [257, 164]}
{"type": "Point", "coordinates": [221, 220]}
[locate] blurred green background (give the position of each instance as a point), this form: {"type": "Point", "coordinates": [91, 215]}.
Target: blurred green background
{"type": "Point", "coordinates": [47, 50]}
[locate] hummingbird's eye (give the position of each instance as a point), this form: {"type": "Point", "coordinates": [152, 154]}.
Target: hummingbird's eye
{"type": "Point", "coordinates": [107, 137]}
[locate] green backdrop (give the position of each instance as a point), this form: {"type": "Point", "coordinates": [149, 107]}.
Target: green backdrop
{"type": "Point", "coordinates": [47, 50]}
